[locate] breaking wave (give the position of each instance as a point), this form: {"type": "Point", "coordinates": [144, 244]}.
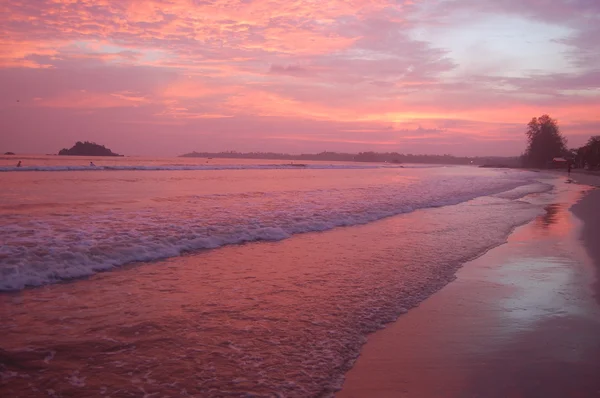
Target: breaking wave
{"type": "Point", "coordinates": [283, 166]}
{"type": "Point", "coordinates": [45, 242]}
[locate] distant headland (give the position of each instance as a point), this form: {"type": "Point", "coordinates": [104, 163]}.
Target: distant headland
{"type": "Point", "coordinates": [87, 149]}
{"type": "Point", "coordinates": [389, 157]}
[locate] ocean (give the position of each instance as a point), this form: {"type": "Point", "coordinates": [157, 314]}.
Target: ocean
{"type": "Point", "coordinates": [214, 277]}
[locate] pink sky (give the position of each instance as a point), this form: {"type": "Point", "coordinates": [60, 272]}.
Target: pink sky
{"type": "Point", "coordinates": [165, 77]}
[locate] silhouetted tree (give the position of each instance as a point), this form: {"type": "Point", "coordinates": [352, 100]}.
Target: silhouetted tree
{"type": "Point", "coordinates": [590, 153]}
{"type": "Point", "coordinates": [544, 142]}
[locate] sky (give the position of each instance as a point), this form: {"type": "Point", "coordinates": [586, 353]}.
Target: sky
{"type": "Point", "coordinates": [166, 77]}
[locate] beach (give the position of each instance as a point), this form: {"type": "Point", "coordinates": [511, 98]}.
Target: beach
{"type": "Point", "coordinates": [171, 279]}
{"type": "Point", "coordinates": [522, 320]}
{"type": "Point", "coordinates": [300, 199]}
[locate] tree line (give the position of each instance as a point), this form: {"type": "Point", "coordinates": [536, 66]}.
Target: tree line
{"type": "Point", "coordinates": [588, 156]}
{"type": "Point", "coordinates": [545, 144]}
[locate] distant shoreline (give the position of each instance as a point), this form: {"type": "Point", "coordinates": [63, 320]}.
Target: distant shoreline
{"type": "Point", "coordinates": [376, 157]}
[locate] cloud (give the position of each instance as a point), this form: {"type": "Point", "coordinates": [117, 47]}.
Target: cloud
{"type": "Point", "coordinates": [291, 70]}
{"type": "Point", "coordinates": [300, 73]}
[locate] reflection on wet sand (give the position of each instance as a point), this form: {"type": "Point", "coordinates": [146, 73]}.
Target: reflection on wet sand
{"type": "Point", "coordinates": [519, 322]}
{"type": "Point", "coordinates": [551, 216]}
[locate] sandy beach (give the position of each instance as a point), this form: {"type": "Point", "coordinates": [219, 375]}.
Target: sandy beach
{"type": "Point", "coordinates": [523, 320]}
{"type": "Point", "coordinates": [300, 199]}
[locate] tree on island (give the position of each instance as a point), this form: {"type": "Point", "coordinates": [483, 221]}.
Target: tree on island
{"type": "Point", "coordinates": [544, 142]}
{"type": "Point", "coordinates": [87, 149]}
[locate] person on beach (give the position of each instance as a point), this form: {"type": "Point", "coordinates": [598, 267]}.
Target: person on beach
{"type": "Point", "coordinates": [92, 164]}
{"type": "Point", "coordinates": [19, 164]}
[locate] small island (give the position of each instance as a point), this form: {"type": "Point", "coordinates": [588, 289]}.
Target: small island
{"type": "Point", "coordinates": [9, 153]}
{"type": "Point", "coordinates": [87, 149]}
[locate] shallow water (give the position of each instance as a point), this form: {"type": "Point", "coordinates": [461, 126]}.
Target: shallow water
{"type": "Point", "coordinates": [272, 318]}
{"type": "Point", "coordinates": [69, 224]}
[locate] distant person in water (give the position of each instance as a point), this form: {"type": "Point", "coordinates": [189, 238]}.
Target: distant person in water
{"type": "Point", "coordinates": [19, 164]}
{"type": "Point", "coordinates": [92, 164]}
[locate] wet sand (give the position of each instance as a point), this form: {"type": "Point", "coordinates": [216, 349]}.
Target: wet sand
{"type": "Point", "coordinates": [520, 321]}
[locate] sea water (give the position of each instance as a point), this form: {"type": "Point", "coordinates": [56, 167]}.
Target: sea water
{"type": "Point", "coordinates": [240, 278]}
{"type": "Point", "coordinates": [58, 225]}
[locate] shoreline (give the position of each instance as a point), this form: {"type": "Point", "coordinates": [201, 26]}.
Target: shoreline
{"type": "Point", "coordinates": [502, 330]}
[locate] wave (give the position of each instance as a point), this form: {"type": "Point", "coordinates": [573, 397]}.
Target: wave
{"type": "Point", "coordinates": [41, 250]}
{"type": "Point", "coordinates": [282, 166]}
{"type": "Point", "coordinates": [525, 190]}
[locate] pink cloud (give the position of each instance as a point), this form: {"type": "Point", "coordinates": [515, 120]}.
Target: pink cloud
{"type": "Point", "coordinates": [293, 75]}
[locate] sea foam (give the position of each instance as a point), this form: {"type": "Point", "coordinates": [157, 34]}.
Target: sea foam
{"type": "Point", "coordinates": [282, 166]}
{"type": "Point", "coordinates": [45, 247]}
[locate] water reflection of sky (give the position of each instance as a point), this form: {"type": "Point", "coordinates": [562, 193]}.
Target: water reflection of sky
{"type": "Point", "coordinates": [544, 274]}
{"type": "Point", "coordinates": [547, 289]}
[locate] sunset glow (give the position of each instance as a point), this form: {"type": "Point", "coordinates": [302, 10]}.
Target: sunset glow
{"type": "Point", "coordinates": [165, 77]}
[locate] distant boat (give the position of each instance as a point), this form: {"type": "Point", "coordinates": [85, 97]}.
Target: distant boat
{"type": "Point", "coordinates": [298, 164]}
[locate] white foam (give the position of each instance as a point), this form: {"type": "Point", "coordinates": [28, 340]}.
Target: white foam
{"type": "Point", "coordinates": [38, 249]}
{"type": "Point", "coordinates": [524, 190]}
{"type": "Point", "coordinates": [282, 166]}
{"type": "Point", "coordinates": [75, 380]}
